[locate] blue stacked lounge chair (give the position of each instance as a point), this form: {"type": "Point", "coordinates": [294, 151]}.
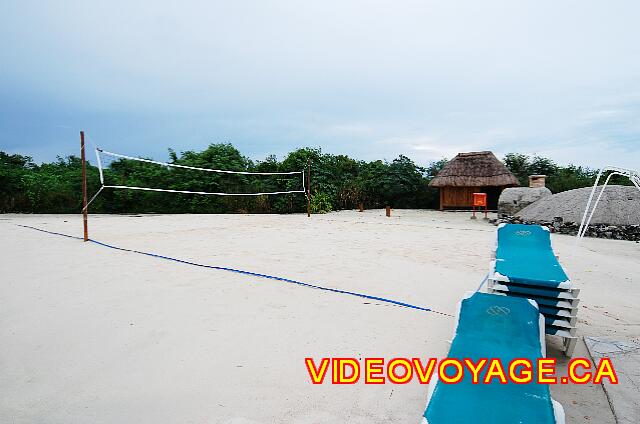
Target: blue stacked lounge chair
{"type": "Point", "coordinates": [525, 266]}
{"type": "Point", "coordinates": [503, 327]}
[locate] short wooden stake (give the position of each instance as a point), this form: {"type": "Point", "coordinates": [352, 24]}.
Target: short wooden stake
{"type": "Point", "coordinates": [388, 211]}
{"type": "Point", "coordinates": [360, 207]}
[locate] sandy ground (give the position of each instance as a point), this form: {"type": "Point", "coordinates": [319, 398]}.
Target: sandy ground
{"type": "Point", "coordinates": [91, 334]}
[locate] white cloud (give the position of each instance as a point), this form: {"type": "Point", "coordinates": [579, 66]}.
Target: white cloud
{"type": "Point", "coordinates": [371, 79]}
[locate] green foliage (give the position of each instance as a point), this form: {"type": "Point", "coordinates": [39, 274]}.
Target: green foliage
{"type": "Point", "coordinates": [337, 182]}
{"type": "Point", "coordinates": [559, 178]}
{"type": "Point", "coordinates": [321, 203]}
{"type": "Point", "coordinates": [519, 165]}
{"type": "Point", "coordinates": [48, 188]}
{"type": "Point", "coordinates": [14, 169]}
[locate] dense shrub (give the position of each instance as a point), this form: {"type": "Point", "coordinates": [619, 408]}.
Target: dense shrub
{"type": "Point", "coordinates": [337, 182]}
{"type": "Point", "coordinates": [321, 203]}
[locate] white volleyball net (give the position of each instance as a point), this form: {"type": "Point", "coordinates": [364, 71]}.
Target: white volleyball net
{"type": "Point", "coordinates": [124, 172]}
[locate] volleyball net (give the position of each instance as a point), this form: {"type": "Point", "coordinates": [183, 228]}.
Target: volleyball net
{"type": "Point", "coordinates": [122, 172]}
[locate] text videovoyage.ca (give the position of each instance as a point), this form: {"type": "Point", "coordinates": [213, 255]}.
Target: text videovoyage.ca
{"type": "Point", "coordinates": [454, 370]}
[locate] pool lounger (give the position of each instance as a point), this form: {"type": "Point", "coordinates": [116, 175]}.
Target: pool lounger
{"type": "Point", "coordinates": [526, 266]}
{"type": "Point", "coordinates": [494, 326]}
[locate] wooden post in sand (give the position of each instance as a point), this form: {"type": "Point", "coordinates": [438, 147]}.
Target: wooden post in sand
{"type": "Point", "coordinates": [388, 211]}
{"type": "Point", "coordinates": [309, 187]}
{"type": "Point", "coordinates": [360, 207]}
{"type": "Point", "coordinates": [84, 188]}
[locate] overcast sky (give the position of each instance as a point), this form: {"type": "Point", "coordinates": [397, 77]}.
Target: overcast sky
{"type": "Point", "coordinates": [372, 79]}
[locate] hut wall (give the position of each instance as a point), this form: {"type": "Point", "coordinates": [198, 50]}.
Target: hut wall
{"type": "Point", "coordinates": [461, 197]}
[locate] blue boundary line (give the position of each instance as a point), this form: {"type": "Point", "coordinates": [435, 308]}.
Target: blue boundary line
{"type": "Point", "coordinates": [484, 280]}
{"type": "Point", "coordinates": [240, 271]}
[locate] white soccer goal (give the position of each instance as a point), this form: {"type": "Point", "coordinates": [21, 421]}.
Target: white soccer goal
{"type": "Point", "coordinates": [590, 209]}
{"type": "Point", "coordinates": [105, 159]}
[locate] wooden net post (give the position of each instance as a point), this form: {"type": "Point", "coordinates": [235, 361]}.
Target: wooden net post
{"type": "Point", "coordinates": [309, 187]}
{"type": "Point", "coordinates": [84, 188]}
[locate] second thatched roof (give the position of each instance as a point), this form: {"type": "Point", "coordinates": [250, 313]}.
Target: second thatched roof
{"type": "Point", "coordinates": [474, 169]}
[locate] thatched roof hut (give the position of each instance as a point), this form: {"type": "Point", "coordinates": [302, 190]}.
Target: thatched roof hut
{"type": "Point", "coordinates": [473, 172]}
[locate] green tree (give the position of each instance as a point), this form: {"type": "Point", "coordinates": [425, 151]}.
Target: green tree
{"type": "Point", "coordinates": [337, 182]}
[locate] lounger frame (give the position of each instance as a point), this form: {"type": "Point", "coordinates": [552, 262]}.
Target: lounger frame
{"type": "Point", "coordinates": [558, 410]}
{"type": "Point", "coordinates": [559, 305]}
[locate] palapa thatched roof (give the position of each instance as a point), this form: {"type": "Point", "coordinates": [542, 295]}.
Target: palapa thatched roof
{"type": "Point", "coordinates": [474, 169]}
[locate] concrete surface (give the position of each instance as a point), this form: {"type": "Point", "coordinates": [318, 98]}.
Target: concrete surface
{"type": "Point", "coordinates": [624, 397]}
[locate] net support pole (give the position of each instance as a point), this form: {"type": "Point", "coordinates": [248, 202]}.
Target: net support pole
{"type": "Point", "coordinates": [84, 188]}
{"type": "Point", "coordinates": [308, 187]}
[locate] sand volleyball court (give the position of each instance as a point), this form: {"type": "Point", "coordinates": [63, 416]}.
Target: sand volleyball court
{"type": "Point", "coordinates": [94, 334]}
